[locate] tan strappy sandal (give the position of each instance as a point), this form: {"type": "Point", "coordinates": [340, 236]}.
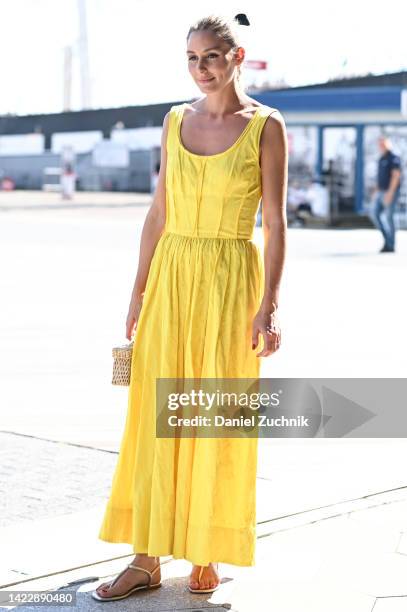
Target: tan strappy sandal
{"type": "Point", "coordinates": [199, 579]}
{"type": "Point", "coordinates": [96, 595]}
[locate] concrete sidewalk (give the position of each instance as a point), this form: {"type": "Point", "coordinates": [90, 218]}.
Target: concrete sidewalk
{"type": "Point", "coordinates": [322, 547]}
{"type": "Point", "coordinates": [331, 512]}
{"type": "Point", "coordinates": [26, 200]}
{"type": "Point", "coordinates": [348, 557]}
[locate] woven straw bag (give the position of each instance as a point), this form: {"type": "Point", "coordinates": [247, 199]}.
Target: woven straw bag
{"type": "Point", "coordinates": [122, 364]}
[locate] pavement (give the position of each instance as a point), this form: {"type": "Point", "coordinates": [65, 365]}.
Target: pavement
{"type": "Point", "coordinates": [52, 200]}
{"type": "Point", "coordinates": [332, 513]}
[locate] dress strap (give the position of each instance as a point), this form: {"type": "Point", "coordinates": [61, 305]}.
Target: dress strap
{"type": "Point", "coordinates": [175, 114]}
{"type": "Point", "coordinates": [263, 114]}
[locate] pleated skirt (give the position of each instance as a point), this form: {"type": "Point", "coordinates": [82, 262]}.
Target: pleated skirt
{"type": "Point", "coordinates": [192, 498]}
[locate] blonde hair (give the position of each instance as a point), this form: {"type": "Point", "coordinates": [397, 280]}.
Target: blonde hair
{"type": "Point", "coordinates": [223, 27]}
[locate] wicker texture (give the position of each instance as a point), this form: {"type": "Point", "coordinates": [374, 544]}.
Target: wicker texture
{"type": "Point", "coordinates": [122, 364]}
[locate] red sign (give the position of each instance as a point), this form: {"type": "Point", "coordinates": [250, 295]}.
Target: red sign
{"type": "Point", "coordinates": [256, 64]}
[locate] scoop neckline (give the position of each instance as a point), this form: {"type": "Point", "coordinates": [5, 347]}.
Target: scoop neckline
{"type": "Point", "coordinates": [243, 133]}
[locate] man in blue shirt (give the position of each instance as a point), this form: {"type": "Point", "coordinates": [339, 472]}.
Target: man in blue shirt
{"type": "Point", "coordinates": [387, 193]}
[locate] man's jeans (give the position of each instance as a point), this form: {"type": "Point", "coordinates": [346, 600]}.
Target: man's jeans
{"type": "Point", "coordinates": [388, 229]}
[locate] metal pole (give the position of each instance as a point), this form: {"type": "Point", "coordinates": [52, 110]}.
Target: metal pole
{"type": "Point", "coordinates": [67, 78]}
{"type": "Point", "coordinates": [84, 56]}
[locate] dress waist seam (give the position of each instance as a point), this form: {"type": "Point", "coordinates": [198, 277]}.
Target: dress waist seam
{"type": "Point", "coordinates": [206, 236]}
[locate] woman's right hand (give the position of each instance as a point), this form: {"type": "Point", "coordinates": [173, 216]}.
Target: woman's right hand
{"type": "Point", "coordinates": [133, 316]}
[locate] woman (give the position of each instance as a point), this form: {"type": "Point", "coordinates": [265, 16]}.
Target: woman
{"type": "Point", "coordinates": [201, 299]}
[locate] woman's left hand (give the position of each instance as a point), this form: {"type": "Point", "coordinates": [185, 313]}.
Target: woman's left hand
{"type": "Point", "coordinates": [266, 323]}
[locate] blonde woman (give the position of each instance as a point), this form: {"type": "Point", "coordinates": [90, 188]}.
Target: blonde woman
{"type": "Point", "coordinates": [203, 299]}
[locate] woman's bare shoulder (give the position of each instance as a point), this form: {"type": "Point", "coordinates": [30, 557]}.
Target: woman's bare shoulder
{"type": "Point", "coordinates": [272, 113]}
{"type": "Point", "coordinates": [273, 135]}
{"type": "Point", "coordinates": [274, 126]}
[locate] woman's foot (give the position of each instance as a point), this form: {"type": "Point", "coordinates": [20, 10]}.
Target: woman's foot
{"type": "Point", "coordinates": [204, 578]}
{"type": "Point", "coordinates": [130, 578]}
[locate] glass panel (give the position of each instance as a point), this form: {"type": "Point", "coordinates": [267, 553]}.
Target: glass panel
{"type": "Point", "coordinates": [339, 162]}
{"type": "Point", "coordinates": [398, 139]}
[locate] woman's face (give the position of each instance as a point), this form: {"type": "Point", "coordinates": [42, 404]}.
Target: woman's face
{"type": "Point", "coordinates": [211, 61]}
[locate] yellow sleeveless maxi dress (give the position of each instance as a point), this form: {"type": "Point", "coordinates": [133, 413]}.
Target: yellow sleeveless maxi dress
{"type": "Point", "coordinates": [195, 498]}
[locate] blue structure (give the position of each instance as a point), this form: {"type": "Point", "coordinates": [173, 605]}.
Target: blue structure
{"type": "Point", "coordinates": [317, 99]}
{"type": "Point", "coordinates": [343, 106]}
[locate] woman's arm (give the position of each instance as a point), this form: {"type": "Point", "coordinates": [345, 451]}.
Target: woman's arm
{"type": "Point", "coordinates": [274, 172]}
{"type": "Point", "coordinates": [152, 229]}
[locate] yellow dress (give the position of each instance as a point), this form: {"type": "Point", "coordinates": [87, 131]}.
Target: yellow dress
{"type": "Point", "coordinates": [195, 498]}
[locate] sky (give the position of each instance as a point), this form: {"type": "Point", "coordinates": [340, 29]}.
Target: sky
{"type": "Point", "coordinates": [137, 47]}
